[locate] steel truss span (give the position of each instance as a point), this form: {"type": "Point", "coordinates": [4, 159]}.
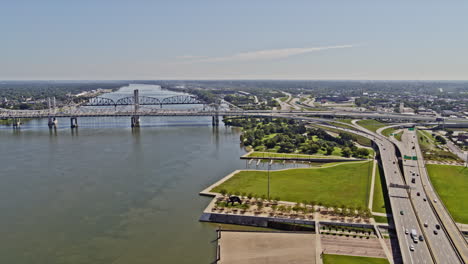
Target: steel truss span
{"type": "Point", "coordinates": [144, 100]}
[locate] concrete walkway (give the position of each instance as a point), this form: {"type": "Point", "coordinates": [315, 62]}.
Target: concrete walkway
{"type": "Point", "coordinates": [371, 193]}
{"type": "Point", "coordinates": [382, 242]}
{"type": "Point", "coordinates": [318, 240]}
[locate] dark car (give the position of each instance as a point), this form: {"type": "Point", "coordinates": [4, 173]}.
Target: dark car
{"type": "Point", "coordinates": [401, 212]}
{"type": "Point", "coordinates": [421, 238]}
{"type": "Point", "coordinates": [413, 180]}
{"type": "Point", "coordinates": [438, 226]}
{"type": "Point", "coordinates": [418, 193]}
{"type": "Point", "coordinates": [435, 232]}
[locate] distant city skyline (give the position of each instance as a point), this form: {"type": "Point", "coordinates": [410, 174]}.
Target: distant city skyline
{"type": "Point", "coordinates": [195, 40]}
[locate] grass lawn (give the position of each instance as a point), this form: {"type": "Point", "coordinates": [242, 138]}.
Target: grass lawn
{"type": "Point", "coordinates": [386, 132]}
{"type": "Point", "coordinates": [343, 125]}
{"type": "Point", "coordinates": [342, 259]}
{"type": "Point", "coordinates": [380, 219]}
{"type": "Point", "coordinates": [371, 124]}
{"type": "Point", "coordinates": [380, 200]}
{"type": "Point", "coordinates": [290, 155]}
{"type": "Point", "coordinates": [451, 183]}
{"type": "Point", "coordinates": [345, 184]}
{"type": "Point", "coordinates": [346, 121]}
{"type": "Point", "coordinates": [398, 136]}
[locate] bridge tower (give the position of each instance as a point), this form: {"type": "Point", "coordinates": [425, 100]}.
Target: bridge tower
{"type": "Point", "coordinates": [135, 119]}
{"type": "Point", "coordinates": [215, 117]}
{"type": "Point", "coordinates": [52, 121]}
{"type": "Point", "coordinates": [74, 122]}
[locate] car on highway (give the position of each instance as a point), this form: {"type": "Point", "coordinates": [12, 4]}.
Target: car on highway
{"type": "Point", "coordinates": [413, 180]}
{"type": "Point", "coordinates": [418, 194]}
{"type": "Point", "coordinates": [425, 224]}
{"type": "Point", "coordinates": [424, 199]}
{"type": "Point", "coordinates": [435, 232]}
{"type": "Point", "coordinates": [435, 200]}
{"type": "Point", "coordinates": [437, 226]}
{"type": "Point", "coordinates": [401, 212]}
{"type": "Point", "coordinates": [406, 231]}
{"type": "Point", "coordinates": [411, 247]}
{"type": "Point", "coordinates": [421, 238]}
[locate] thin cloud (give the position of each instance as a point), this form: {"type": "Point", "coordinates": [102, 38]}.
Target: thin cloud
{"type": "Point", "coordinates": [189, 57]}
{"type": "Point", "coordinates": [268, 54]}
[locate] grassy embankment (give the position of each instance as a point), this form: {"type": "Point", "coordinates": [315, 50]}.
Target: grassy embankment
{"type": "Point", "coordinates": [346, 120]}
{"type": "Point", "coordinates": [430, 149]}
{"type": "Point", "coordinates": [342, 259]}
{"type": "Point", "coordinates": [380, 201]}
{"type": "Point", "coordinates": [371, 124]}
{"type": "Point", "coordinates": [344, 184]}
{"type": "Point", "coordinates": [451, 183]}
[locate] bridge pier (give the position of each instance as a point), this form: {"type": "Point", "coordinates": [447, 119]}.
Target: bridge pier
{"type": "Point", "coordinates": [52, 123]}
{"type": "Point", "coordinates": [16, 123]}
{"type": "Point", "coordinates": [135, 121]}
{"type": "Point", "coordinates": [215, 120]}
{"type": "Point", "coordinates": [73, 122]}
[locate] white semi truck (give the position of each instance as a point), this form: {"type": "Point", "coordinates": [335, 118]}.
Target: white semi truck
{"type": "Point", "coordinates": [414, 235]}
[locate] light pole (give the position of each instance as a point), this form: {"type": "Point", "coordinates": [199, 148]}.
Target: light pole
{"type": "Point", "coordinates": [268, 191]}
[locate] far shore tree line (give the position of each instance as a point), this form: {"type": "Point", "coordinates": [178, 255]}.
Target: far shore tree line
{"type": "Point", "coordinates": [291, 136]}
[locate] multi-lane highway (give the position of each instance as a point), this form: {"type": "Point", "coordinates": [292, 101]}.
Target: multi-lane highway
{"type": "Point", "coordinates": [434, 231]}
{"type": "Point", "coordinates": [404, 215]}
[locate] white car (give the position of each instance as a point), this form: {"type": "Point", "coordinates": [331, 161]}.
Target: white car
{"type": "Point", "coordinates": [411, 247]}
{"type": "Point", "coordinates": [435, 200]}
{"type": "Point", "coordinates": [406, 231]}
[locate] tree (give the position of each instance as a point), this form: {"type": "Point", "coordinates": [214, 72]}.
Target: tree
{"type": "Point", "coordinates": [441, 140]}
{"type": "Point", "coordinates": [286, 147]}
{"type": "Point", "coordinates": [361, 153]}
{"type": "Point", "coordinates": [346, 152]}
{"type": "Point", "coordinates": [270, 143]}
{"type": "Point", "coordinates": [330, 150]}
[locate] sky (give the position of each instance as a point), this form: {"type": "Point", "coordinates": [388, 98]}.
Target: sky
{"type": "Point", "coordinates": [152, 40]}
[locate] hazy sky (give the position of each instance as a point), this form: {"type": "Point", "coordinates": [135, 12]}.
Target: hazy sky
{"type": "Point", "coordinates": [143, 39]}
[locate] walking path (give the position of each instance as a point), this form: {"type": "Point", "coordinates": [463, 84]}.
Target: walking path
{"type": "Point", "coordinates": [382, 242]}
{"type": "Point", "coordinates": [318, 240]}
{"type": "Point", "coordinates": [371, 193]}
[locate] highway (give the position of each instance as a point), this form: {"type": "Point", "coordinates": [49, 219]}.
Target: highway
{"type": "Point", "coordinates": [440, 244]}
{"type": "Point", "coordinates": [399, 200]}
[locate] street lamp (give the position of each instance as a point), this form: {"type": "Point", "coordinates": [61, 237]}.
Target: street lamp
{"type": "Point", "coordinates": [268, 192]}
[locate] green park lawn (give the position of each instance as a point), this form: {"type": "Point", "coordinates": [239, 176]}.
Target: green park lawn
{"type": "Point", "coordinates": [342, 259]}
{"type": "Point", "coordinates": [451, 183]}
{"type": "Point", "coordinates": [371, 124]}
{"type": "Point", "coordinates": [380, 192]}
{"type": "Point", "coordinates": [344, 184]}
{"type": "Point", "coordinates": [290, 155]}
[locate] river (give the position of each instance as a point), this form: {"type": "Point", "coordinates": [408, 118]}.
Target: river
{"type": "Point", "coordinates": [104, 193]}
{"type": "Point", "coordinates": [107, 194]}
